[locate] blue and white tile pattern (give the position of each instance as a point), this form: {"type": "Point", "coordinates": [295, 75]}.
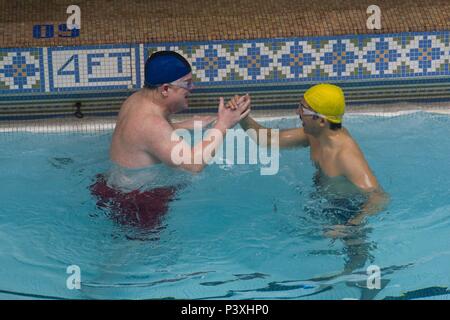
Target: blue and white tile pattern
{"type": "Point", "coordinates": [297, 60]}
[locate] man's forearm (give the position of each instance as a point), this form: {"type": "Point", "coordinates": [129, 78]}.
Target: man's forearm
{"type": "Point", "coordinates": [206, 149]}
{"type": "Point", "coordinates": [376, 202]}
{"type": "Point", "coordinates": [185, 124]}
{"type": "Point", "coordinates": [249, 123]}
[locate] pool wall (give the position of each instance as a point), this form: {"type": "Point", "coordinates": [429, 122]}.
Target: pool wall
{"type": "Point", "coordinates": [44, 77]}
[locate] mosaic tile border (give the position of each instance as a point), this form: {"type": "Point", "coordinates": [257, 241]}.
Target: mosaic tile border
{"type": "Point", "coordinates": [22, 70]}
{"type": "Point", "coordinates": [53, 71]}
{"type": "Point", "coordinates": [337, 58]}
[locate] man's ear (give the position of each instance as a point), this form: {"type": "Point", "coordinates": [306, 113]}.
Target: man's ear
{"type": "Point", "coordinates": [165, 90]}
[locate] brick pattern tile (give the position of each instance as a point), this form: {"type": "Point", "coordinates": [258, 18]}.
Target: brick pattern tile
{"type": "Point", "coordinates": [143, 21]}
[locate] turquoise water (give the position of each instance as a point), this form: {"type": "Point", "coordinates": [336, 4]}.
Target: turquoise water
{"type": "Point", "coordinates": [230, 233]}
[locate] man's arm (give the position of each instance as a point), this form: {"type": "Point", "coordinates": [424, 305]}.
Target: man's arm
{"type": "Point", "coordinates": [288, 138]}
{"type": "Point", "coordinates": [356, 169]}
{"type": "Point", "coordinates": [162, 141]}
{"type": "Point", "coordinates": [377, 201]}
{"type": "Point", "coordinates": [189, 123]}
{"type": "Point", "coordinates": [261, 135]}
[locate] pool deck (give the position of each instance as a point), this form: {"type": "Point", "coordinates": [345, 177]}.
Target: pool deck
{"type": "Point", "coordinates": [141, 21]}
{"type": "Point", "coordinates": [92, 125]}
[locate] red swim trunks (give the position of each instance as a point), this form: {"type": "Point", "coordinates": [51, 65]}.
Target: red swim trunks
{"type": "Point", "coordinates": [140, 209]}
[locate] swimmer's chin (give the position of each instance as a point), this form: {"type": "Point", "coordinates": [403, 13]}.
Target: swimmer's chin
{"type": "Point", "coordinates": [185, 107]}
{"type": "Point", "coordinates": [181, 108]}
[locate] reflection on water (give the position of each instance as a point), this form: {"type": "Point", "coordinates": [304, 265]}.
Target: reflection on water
{"type": "Point", "coordinates": [144, 179]}
{"type": "Point", "coordinates": [303, 288]}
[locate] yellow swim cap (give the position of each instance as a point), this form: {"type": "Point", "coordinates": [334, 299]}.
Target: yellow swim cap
{"type": "Point", "coordinates": [328, 100]}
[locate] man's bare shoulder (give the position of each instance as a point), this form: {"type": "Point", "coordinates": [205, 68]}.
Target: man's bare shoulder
{"type": "Point", "coordinates": [350, 145]}
{"type": "Point", "coordinates": [144, 128]}
{"type": "Point", "coordinates": [154, 123]}
{"type": "Point", "coordinates": [134, 100]}
{"type": "Point", "coordinates": [138, 122]}
{"type": "Point", "coordinates": [350, 155]}
{"type": "Point", "coordinates": [353, 164]}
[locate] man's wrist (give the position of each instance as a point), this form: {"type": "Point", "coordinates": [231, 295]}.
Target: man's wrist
{"type": "Point", "coordinates": [245, 119]}
{"type": "Point", "coordinates": [245, 122]}
{"type": "Point", "coordinates": [221, 126]}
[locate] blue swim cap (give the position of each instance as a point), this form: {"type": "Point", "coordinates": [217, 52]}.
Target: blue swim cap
{"type": "Point", "coordinates": [165, 67]}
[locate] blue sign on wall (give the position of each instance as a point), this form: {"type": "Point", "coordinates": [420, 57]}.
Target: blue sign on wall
{"type": "Point", "coordinates": [46, 31]}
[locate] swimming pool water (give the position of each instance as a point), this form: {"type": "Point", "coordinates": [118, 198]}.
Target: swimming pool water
{"type": "Point", "coordinates": [230, 233]}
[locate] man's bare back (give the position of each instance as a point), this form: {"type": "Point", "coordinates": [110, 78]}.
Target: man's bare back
{"type": "Point", "coordinates": [127, 148]}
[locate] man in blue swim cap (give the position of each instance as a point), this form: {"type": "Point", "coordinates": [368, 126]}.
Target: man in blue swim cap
{"type": "Point", "coordinates": [144, 132]}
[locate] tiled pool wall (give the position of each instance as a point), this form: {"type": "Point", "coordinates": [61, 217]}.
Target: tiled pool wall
{"type": "Point", "coordinates": [272, 49]}
{"type": "Point", "coordinates": [47, 81]}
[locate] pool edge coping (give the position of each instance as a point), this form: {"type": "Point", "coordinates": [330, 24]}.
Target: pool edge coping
{"type": "Point", "coordinates": [104, 125]}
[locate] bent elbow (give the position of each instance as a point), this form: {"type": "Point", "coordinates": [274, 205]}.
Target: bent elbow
{"type": "Point", "coordinates": [379, 200]}
{"type": "Point", "coordinates": [194, 168]}
{"type": "Point", "coordinates": [197, 168]}
{"type": "Point", "coordinates": [385, 199]}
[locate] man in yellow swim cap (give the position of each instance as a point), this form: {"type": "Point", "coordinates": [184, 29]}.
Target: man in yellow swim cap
{"type": "Point", "coordinates": [333, 150]}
